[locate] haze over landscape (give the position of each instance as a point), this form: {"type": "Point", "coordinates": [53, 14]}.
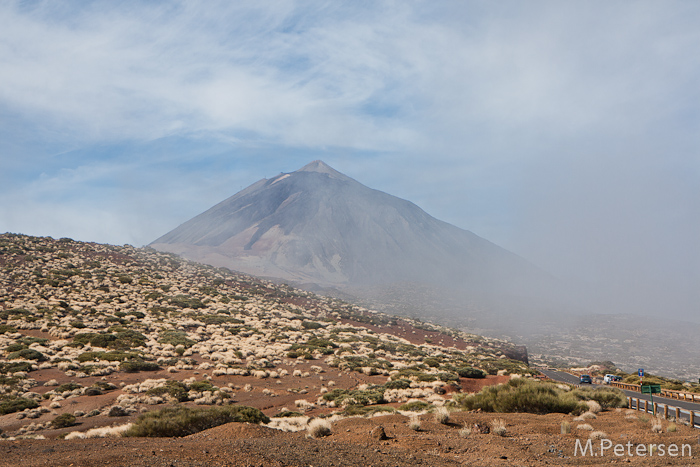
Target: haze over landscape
{"type": "Point", "coordinates": [293, 233]}
{"type": "Point", "coordinates": [564, 133]}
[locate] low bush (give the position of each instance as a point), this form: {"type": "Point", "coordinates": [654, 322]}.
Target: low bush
{"type": "Point", "coordinates": [15, 347]}
{"type": "Point", "coordinates": [202, 386]}
{"type": "Point", "coordinates": [521, 395]}
{"type": "Point", "coordinates": [469, 372]}
{"type": "Point", "coordinates": [11, 404]}
{"type": "Point", "coordinates": [289, 413]}
{"type": "Point", "coordinates": [353, 410]}
{"type": "Point", "coordinates": [415, 406]}
{"type": "Point", "coordinates": [12, 367]}
{"type": "Point", "coordinates": [398, 384]}
{"type": "Point", "coordinates": [608, 398]}
{"type": "Point", "coordinates": [373, 395]}
{"type": "Point", "coordinates": [27, 354]}
{"type": "Point", "coordinates": [135, 365]}
{"type": "Point", "coordinates": [185, 301]}
{"type": "Point", "coordinates": [113, 356]}
{"type": "Point", "coordinates": [4, 328]}
{"type": "Point", "coordinates": [63, 421]}
{"type": "Point", "coordinates": [175, 337]}
{"type": "Point", "coordinates": [175, 389]}
{"type": "Point", "coordinates": [67, 387]}
{"type": "Point", "coordinates": [183, 421]}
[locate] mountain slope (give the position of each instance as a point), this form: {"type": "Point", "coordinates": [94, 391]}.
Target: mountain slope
{"type": "Point", "coordinates": [318, 225]}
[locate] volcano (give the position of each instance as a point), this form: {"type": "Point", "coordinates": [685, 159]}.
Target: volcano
{"type": "Point", "coordinates": [317, 225]}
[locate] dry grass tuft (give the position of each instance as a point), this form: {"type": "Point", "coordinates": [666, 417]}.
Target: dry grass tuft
{"type": "Point", "coordinates": [565, 427]}
{"type": "Point", "coordinates": [498, 426]}
{"type": "Point", "coordinates": [442, 415]}
{"type": "Point", "coordinates": [318, 428]}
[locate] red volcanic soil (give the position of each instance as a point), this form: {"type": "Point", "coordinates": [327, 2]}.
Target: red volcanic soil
{"type": "Point", "coordinates": [529, 440]}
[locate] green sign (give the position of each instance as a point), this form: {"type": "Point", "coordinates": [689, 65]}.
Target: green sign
{"type": "Point", "coordinates": [651, 389]}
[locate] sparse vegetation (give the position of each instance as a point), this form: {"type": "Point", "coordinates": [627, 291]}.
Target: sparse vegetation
{"type": "Point", "coordinates": [522, 395]}
{"type": "Point", "coordinates": [11, 404]}
{"type": "Point", "coordinates": [63, 421]}
{"type": "Point", "coordinates": [183, 421]}
{"type": "Point", "coordinates": [111, 310]}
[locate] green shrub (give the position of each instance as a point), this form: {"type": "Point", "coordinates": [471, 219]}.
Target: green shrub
{"type": "Point", "coordinates": [113, 356]}
{"type": "Point", "coordinates": [183, 421]}
{"type": "Point", "coordinates": [415, 406]}
{"type": "Point", "coordinates": [469, 372]}
{"type": "Point", "coordinates": [12, 367]}
{"type": "Point", "coordinates": [29, 340]}
{"type": "Point", "coordinates": [7, 328]}
{"type": "Point", "coordinates": [175, 337]}
{"type": "Point", "coordinates": [373, 395]}
{"type": "Point", "coordinates": [95, 339]}
{"type": "Point", "coordinates": [124, 339]}
{"type": "Point", "coordinates": [311, 325]}
{"type": "Point", "coordinates": [27, 354]}
{"type": "Point", "coordinates": [184, 301]}
{"type": "Point", "coordinates": [431, 362]}
{"type": "Point", "coordinates": [135, 365]}
{"type": "Point", "coordinates": [63, 421]}
{"type": "Point", "coordinates": [93, 391]}
{"type": "Point", "coordinates": [352, 410]}
{"type": "Point", "coordinates": [201, 386]}
{"type": "Point", "coordinates": [608, 398]}
{"type": "Point", "coordinates": [521, 395]}
{"type": "Point", "coordinates": [219, 319]}
{"type": "Point", "coordinates": [447, 377]}
{"type": "Point", "coordinates": [11, 404]}
{"type": "Point", "coordinates": [15, 347]}
{"type": "Point", "coordinates": [398, 384]}
{"type": "Point", "coordinates": [288, 413]}
{"type": "Point", "coordinates": [175, 389]}
{"type": "Point", "coordinates": [124, 279]}
{"type": "Point", "coordinates": [67, 387]}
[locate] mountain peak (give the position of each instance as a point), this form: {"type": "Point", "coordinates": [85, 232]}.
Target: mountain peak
{"type": "Point", "coordinates": [321, 167]}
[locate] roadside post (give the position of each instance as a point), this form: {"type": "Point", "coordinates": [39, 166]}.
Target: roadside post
{"type": "Point", "coordinates": [641, 375]}
{"type": "Point", "coordinates": [651, 389]}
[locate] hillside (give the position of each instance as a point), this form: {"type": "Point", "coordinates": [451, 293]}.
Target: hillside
{"type": "Point", "coordinates": [316, 225]}
{"type": "Point", "coordinates": [87, 328]}
{"type": "Point", "coordinates": [100, 340]}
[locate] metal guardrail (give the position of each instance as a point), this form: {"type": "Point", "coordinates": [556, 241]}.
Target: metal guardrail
{"type": "Point", "coordinates": [668, 410]}
{"type": "Point", "coordinates": [670, 393]}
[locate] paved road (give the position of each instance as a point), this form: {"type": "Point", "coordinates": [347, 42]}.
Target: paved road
{"type": "Point", "coordinates": [684, 405]}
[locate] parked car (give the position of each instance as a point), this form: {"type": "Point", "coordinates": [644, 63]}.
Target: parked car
{"type": "Point", "coordinates": [583, 379]}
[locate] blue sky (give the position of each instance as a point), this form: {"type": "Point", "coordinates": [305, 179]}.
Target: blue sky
{"type": "Point", "coordinates": [566, 132]}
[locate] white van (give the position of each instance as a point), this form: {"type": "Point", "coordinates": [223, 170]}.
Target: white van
{"type": "Point", "coordinates": [607, 379]}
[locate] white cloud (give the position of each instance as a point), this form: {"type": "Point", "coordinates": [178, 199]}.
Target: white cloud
{"type": "Point", "coordinates": [519, 121]}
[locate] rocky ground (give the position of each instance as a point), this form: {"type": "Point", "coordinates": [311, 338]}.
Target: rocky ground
{"type": "Point", "coordinates": [529, 440]}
